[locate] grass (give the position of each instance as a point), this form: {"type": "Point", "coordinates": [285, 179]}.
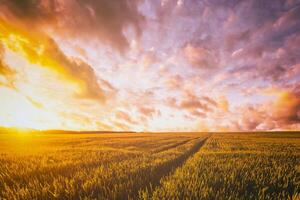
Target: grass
{"type": "Point", "coordinates": [87, 166]}
{"type": "Point", "coordinates": [237, 166]}
{"type": "Point", "coordinates": [150, 166]}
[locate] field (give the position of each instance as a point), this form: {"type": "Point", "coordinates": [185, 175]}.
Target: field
{"type": "Point", "coordinates": [238, 166]}
{"type": "Point", "coordinates": [150, 166]}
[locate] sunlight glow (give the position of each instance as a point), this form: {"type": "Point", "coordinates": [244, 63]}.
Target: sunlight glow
{"type": "Point", "coordinates": [18, 111]}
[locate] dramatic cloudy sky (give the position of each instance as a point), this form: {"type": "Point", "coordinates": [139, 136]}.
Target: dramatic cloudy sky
{"type": "Point", "coordinates": [150, 65]}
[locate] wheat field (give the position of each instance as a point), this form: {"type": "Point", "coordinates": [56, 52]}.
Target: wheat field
{"type": "Point", "coordinates": [149, 166]}
{"type": "Point", "coordinates": [237, 166]}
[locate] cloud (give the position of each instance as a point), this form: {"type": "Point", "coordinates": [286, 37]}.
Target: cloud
{"type": "Point", "coordinates": [198, 114]}
{"type": "Point", "coordinates": [40, 49]}
{"type": "Point", "coordinates": [105, 20]}
{"type": "Point", "coordinates": [206, 62]}
{"type": "Point", "coordinates": [283, 112]}
{"type": "Point", "coordinates": [28, 9]}
{"type": "Point", "coordinates": [223, 104]}
{"type": "Point", "coordinates": [121, 126]}
{"type": "Point", "coordinates": [3, 67]}
{"type": "Point", "coordinates": [251, 117]}
{"type": "Point", "coordinates": [286, 108]}
{"type": "Point", "coordinates": [124, 117]}
{"type": "Point", "coordinates": [265, 44]}
{"type": "Point", "coordinates": [200, 57]}
{"type": "Point", "coordinates": [193, 104]}
{"type": "Point", "coordinates": [149, 58]}
{"type": "Point", "coordinates": [86, 77]}
{"type": "Point", "coordinates": [209, 101]}
{"type": "Point", "coordinates": [103, 126]}
{"type": "Point", "coordinates": [174, 81]}
{"type": "Point", "coordinates": [6, 74]}
{"type": "Point", "coordinates": [171, 102]}
{"type": "Point", "coordinates": [148, 111]}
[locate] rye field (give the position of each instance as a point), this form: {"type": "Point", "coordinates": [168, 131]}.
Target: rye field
{"type": "Point", "coordinates": [158, 166]}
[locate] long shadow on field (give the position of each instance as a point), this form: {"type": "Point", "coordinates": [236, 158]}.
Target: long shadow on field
{"type": "Point", "coordinates": [151, 177]}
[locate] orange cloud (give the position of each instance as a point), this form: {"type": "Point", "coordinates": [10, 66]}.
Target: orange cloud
{"type": "Point", "coordinates": [192, 104]}
{"type": "Point", "coordinates": [6, 74]}
{"type": "Point", "coordinates": [286, 107]}
{"type": "Point", "coordinates": [125, 117]}
{"type": "Point", "coordinates": [200, 57]}
{"type": "Point", "coordinates": [41, 50]}
{"type": "Point", "coordinates": [282, 112]}
{"type": "Point", "coordinates": [198, 114]}
{"type": "Point", "coordinates": [223, 104]}
{"type": "Point", "coordinates": [121, 127]}
{"type": "Point", "coordinates": [105, 20]}
{"type": "Point", "coordinates": [174, 81]}
{"type": "Point", "coordinates": [148, 111]}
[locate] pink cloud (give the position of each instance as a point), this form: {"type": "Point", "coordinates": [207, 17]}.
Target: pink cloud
{"type": "Point", "coordinates": [125, 117]}
{"type": "Point", "coordinates": [147, 111]}
{"type": "Point", "coordinates": [200, 57]}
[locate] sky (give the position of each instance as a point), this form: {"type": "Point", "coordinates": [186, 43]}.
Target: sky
{"type": "Point", "coordinates": [150, 65]}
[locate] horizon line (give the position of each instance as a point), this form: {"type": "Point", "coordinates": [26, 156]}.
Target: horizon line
{"type": "Point", "coordinates": [52, 131]}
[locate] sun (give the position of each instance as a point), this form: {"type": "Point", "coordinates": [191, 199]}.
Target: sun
{"type": "Point", "coordinates": [18, 111]}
